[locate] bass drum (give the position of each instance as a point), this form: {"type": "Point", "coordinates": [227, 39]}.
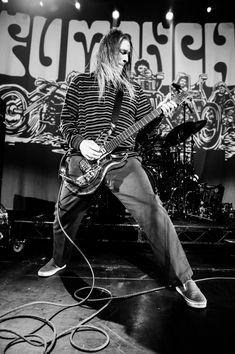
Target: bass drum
{"type": "Point", "coordinates": [161, 186]}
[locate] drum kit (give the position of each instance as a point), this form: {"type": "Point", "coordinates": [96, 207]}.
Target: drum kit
{"type": "Point", "coordinates": [169, 164]}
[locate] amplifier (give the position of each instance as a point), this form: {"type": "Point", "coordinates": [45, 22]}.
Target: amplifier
{"type": "Point", "coordinates": [4, 227]}
{"type": "Point", "coordinates": [3, 215]}
{"type": "Point", "coordinates": [211, 197]}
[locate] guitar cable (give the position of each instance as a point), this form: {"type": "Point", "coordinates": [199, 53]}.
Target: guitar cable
{"type": "Point", "coordinates": [38, 341]}
{"type": "Point", "coordinates": [48, 345]}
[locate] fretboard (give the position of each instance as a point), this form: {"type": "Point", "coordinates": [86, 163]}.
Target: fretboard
{"type": "Point", "coordinates": [136, 127]}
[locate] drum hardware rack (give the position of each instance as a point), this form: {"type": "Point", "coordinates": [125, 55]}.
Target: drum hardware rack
{"type": "Point", "coordinates": [16, 233]}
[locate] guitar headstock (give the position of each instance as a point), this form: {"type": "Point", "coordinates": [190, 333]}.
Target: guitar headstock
{"type": "Point", "coordinates": [179, 94]}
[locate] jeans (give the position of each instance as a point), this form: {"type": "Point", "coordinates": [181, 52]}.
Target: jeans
{"type": "Point", "coordinates": [131, 185]}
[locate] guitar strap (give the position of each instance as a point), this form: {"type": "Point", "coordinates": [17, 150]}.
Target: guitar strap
{"type": "Point", "coordinates": [114, 119]}
{"type": "Point", "coordinates": [117, 106]}
{"type": "Point", "coordinates": [116, 110]}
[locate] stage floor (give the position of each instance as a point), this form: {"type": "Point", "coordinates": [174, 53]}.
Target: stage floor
{"type": "Point", "coordinates": [155, 321]}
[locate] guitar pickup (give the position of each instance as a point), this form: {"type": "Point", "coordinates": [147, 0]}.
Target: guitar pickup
{"type": "Point", "coordinates": [84, 165]}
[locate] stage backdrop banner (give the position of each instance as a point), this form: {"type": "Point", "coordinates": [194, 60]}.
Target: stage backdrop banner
{"type": "Point", "coordinates": [41, 55]}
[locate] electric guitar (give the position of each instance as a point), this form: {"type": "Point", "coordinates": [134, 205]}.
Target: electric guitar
{"type": "Point", "coordinates": [87, 175]}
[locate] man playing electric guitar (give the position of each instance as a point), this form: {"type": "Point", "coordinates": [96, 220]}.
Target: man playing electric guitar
{"type": "Point", "coordinates": [87, 112]}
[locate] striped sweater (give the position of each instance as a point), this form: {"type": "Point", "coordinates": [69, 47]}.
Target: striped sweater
{"type": "Point", "coordinates": [84, 116]}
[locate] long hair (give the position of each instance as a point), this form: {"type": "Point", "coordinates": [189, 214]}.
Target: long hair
{"type": "Point", "coordinates": [106, 70]}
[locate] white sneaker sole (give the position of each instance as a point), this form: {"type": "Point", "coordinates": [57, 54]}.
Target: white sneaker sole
{"type": "Point", "coordinates": [49, 273]}
{"type": "Point", "coordinates": [191, 303]}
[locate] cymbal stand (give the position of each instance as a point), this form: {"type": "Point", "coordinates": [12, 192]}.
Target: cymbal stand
{"type": "Point", "coordinates": [184, 166]}
{"type": "Point", "coordinates": [3, 211]}
{"type": "Point", "coordinates": [2, 139]}
{"type": "Point", "coordinates": [184, 208]}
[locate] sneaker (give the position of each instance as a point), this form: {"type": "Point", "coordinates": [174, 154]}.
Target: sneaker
{"type": "Point", "coordinates": [49, 269]}
{"type": "Point", "coordinates": [192, 294]}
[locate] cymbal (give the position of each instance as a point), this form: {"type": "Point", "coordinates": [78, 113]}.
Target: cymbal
{"type": "Point", "coordinates": [183, 131]}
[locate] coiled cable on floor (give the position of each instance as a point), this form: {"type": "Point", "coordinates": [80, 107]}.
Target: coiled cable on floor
{"type": "Point", "coordinates": [39, 341]}
{"type": "Point", "coordinates": [33, 339]}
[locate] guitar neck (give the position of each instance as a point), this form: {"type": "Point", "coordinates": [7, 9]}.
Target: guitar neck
{"type": "Point", "coordinates": [135, 128]}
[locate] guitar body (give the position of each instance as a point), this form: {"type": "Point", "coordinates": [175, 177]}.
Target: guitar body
{"type": "Point", "coordinates": [83, 176]}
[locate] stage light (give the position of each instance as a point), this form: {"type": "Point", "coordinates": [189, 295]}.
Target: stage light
{"type": "Point", "coordinates": [115, 15]}
{"type": "Point", "coordinates": [169, 15]}
{"type": "Point", "coordinates": [41, 3]}
{"type": "Point", "coordinates": [5, 1]}
{"type": "Point", "coordinates": [77, 5]}
{"type": "Point", "coordinates": [209, 9]}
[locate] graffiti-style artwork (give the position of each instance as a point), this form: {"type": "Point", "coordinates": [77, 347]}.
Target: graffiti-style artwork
{"type": "Point", "coordinates": [41, 55]}
{"type": "Point", "coordinates": [149, 82]}
{"type": "Point", "coordinates": [33, 117]}
{"type": "Point", "coordinates": [215, 105]}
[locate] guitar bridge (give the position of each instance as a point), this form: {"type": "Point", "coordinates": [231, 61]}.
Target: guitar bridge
{"type": "Point", "coordinates": [88, 176]}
